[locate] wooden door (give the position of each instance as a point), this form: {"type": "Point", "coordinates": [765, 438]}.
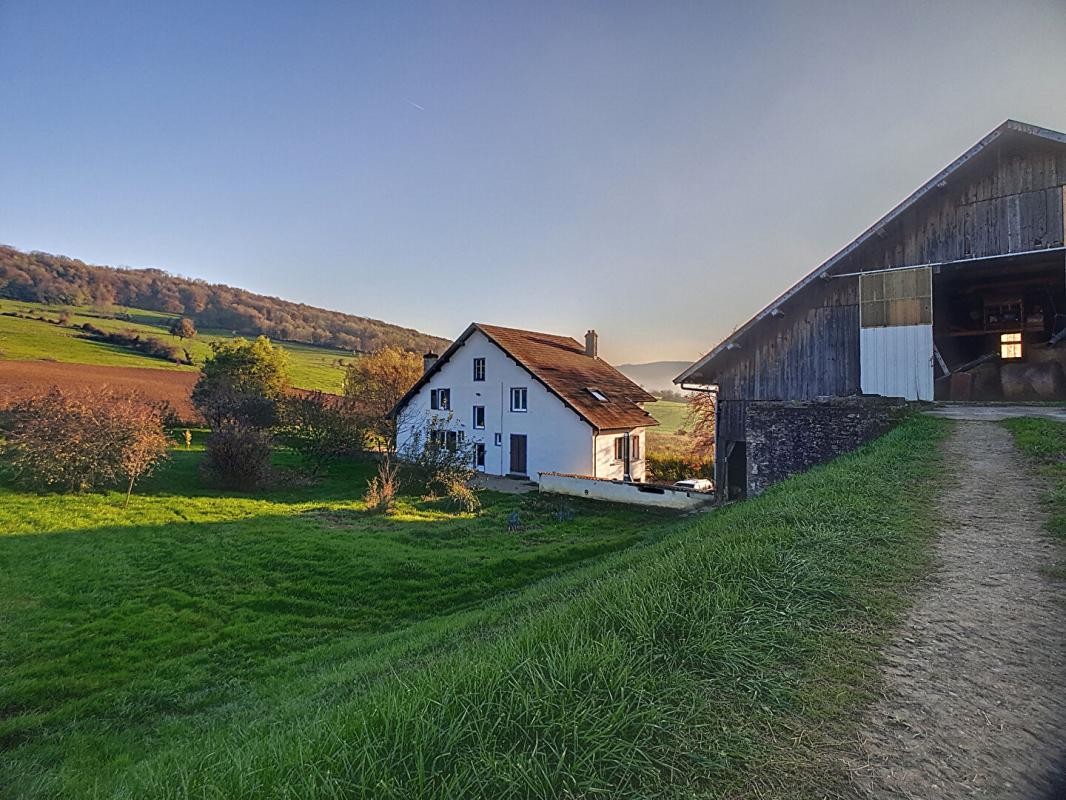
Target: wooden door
{"type": "Point", "coordinates": [518, 454]}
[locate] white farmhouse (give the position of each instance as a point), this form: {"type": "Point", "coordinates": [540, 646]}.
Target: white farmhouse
{"type": "Point", "coordinates": [529, 403]}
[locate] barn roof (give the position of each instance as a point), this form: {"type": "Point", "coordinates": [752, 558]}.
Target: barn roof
{"type": "Point", "coordinates": [561, 365]}
{"type": "Point", "coordinates": [1010, 127]}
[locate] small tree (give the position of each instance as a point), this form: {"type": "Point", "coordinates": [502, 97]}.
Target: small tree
{"type": "Point", "coordinates": [375, 383]}
{"type": "Point", "coordinates": [321, 427]}
{"type": "Point", "coordinates": [183, 328]}
{"type": "Point", "coordinates": [81, 440]}
{"type": "Point", "coordinates": [241, 384]}
{"type": "Point", "coordinates": [240, 388]}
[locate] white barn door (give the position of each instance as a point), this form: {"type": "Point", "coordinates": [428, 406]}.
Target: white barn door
{"type": "Point", "coordinates": [896, 333]}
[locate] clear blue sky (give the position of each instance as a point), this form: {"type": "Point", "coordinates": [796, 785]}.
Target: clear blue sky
{"type": "Point", "coordinates": [658, 171]}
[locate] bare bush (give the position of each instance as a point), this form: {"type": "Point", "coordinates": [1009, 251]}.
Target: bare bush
{"type": "Point", "coordinates": [238, 459]}
{"type": "Point", "coordinates": [440, 462]}
{"type": "Point", "coordinates": [321, 427]}
{"type": "Point", "coordinates": [81, 440]}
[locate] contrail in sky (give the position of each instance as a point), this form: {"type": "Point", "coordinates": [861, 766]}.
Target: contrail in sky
{"type": "Point", "coordinates": [416, 105]}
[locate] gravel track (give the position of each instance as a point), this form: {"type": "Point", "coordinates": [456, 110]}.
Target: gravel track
{"type": "Point", "coordinates": [974, 701]}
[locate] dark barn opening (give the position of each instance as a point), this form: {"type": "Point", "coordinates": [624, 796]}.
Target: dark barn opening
{"type": "Point", "coordinates": [736, 470]}
{"type": "Point", "coordinates": [995, 324]}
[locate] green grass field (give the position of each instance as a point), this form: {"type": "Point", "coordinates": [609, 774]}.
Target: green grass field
{"type": "Point", "coordinates": [209, 645]}
{"type": "Point", "coordinates": [670, 437]}
{"type": "Point", "coordinates": [32, 340]}
{"type": "Point", "coordinates": [1044, 441]}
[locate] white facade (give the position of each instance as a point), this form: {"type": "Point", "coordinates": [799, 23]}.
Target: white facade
{"type": "Point", "coordinates": [557, 439]}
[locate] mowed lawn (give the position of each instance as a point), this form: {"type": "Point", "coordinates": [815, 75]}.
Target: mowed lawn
{"type": "Point", "coordinates": [34, 340]}
{"type": "Point", "coordinates": [210, 646]}
{"type": "Point", "coordinates": [125, 628]}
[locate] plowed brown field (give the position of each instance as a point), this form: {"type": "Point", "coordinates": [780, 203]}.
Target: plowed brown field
{"type": "Point", "coordinates": [19, 379]}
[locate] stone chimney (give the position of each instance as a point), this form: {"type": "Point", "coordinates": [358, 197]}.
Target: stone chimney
{"type": "Point", "coordinates": [428, 360]}
{"type": "Point", "coordinates": [592, 344]}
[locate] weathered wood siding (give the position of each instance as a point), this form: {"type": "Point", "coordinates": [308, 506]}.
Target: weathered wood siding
{"type": "Point", "coordinates": [1010, 202]}
{"type": "Point", "coordinates": [1010, 199]}
{"type": "Point", "coordinates": [812, 350]}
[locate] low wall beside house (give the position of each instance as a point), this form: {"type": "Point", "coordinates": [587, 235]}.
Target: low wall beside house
{"type": "Point", "coordinates": [644, 494]}
{"type": "Point", "coordinates": [787, 437]}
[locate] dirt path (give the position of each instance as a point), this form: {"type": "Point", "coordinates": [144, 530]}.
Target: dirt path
{"type": "Point", "coordinates": [975, 700]}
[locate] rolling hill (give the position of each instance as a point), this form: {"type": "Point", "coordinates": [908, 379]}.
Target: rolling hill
{"type": "Point", "coordinates": [61, 281]}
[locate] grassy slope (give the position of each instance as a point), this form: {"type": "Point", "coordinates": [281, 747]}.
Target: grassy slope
{"type": "Point", "coordinates": [123, 630]}
{"type": "Point", "coordinates": [255, 657]}
{"type": "Point", "coordinates": [1044, 441]}
{"type": "Point", "coordinates": [26, 339]}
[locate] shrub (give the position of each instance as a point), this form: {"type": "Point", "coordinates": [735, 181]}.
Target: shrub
{"type": "Point", "coordinates": [321, 428]}
{"type": "Point", "coordinates": [461, 493]}
{"type": "Point", "coordinates": [666, 468]}
{"type": "Point", "coordinates": [436, 458]}
{"type": "Point", "coordinates": [238, 459]}
{"type": "Point", "coordinates": [183, 328]}
{"type": "Point", "coordinates": [382, 489]}
{"type": "Point", "coordinates": [81, 440]}
{"type": "Point", "coordinates": [149, 345]}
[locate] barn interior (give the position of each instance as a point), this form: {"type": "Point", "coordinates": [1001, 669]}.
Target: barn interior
{"type": "Point", "coordinates": [997, 328]}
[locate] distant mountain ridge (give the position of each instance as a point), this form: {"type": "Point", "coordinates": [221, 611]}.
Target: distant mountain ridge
{"type": "Point", "coordinates": [654, 375]}
{"type": "Point", "coordinates": [58, 280]}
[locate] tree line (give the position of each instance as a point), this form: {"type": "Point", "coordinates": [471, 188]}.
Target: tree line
{"type": "Point", "coordinates": [57, 280]}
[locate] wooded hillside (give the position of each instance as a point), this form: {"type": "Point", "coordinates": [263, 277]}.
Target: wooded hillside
{"type": "Point", "coordinates": [46, 278]}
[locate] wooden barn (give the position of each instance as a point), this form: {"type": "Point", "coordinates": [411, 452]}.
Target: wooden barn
{"type": "Point", "coordinates": [958, 293]}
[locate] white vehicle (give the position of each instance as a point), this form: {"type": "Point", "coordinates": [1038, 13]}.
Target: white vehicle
{"type": "Point", "coordinates": [696, 485]}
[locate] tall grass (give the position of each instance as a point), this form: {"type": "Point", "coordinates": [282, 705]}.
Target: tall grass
{"type": "Point", "coordinates": [688, 667]}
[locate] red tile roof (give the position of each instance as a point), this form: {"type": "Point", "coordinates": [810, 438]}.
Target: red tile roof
{"type": "Point", "coordinates": [560, 363]}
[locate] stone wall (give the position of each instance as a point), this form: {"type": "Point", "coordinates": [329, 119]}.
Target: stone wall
{"type": "Point", "coordinates": [784, 438]}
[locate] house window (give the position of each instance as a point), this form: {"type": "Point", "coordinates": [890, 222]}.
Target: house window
{"type": "Point", "coordinates": [597, 394]}
{"type": "Point", "coordinates": [479, 454]}
{"type": "Point", "coordinates": [519, 398]}
{"type": "Point", "coordinates": [634, 448]}
{"type": "Point", "coordinates": [454, 439]}
{"type": "Point", "coordinates": [479, 417]}
{"type": "Point", "coordinates": [479, 369]}
{"type": "Point", "coordinates": [440, 399]}
{"type": "Point", "coordinates": [497, 439]}
{"type": "Point", "coordinates": [1010, 345]}
{"type": "Point", "coordinates": [619, 448]}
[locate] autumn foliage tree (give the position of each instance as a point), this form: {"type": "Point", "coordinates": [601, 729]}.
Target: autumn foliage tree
{"type": "Point", "coordinates": [82, 440]}
{"type": "Point", "coordinates": [375, 384]}
{"type": "Point", "coordinates": [702, 407]}
{"type": "Point", "coordinates": [183, 328]}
